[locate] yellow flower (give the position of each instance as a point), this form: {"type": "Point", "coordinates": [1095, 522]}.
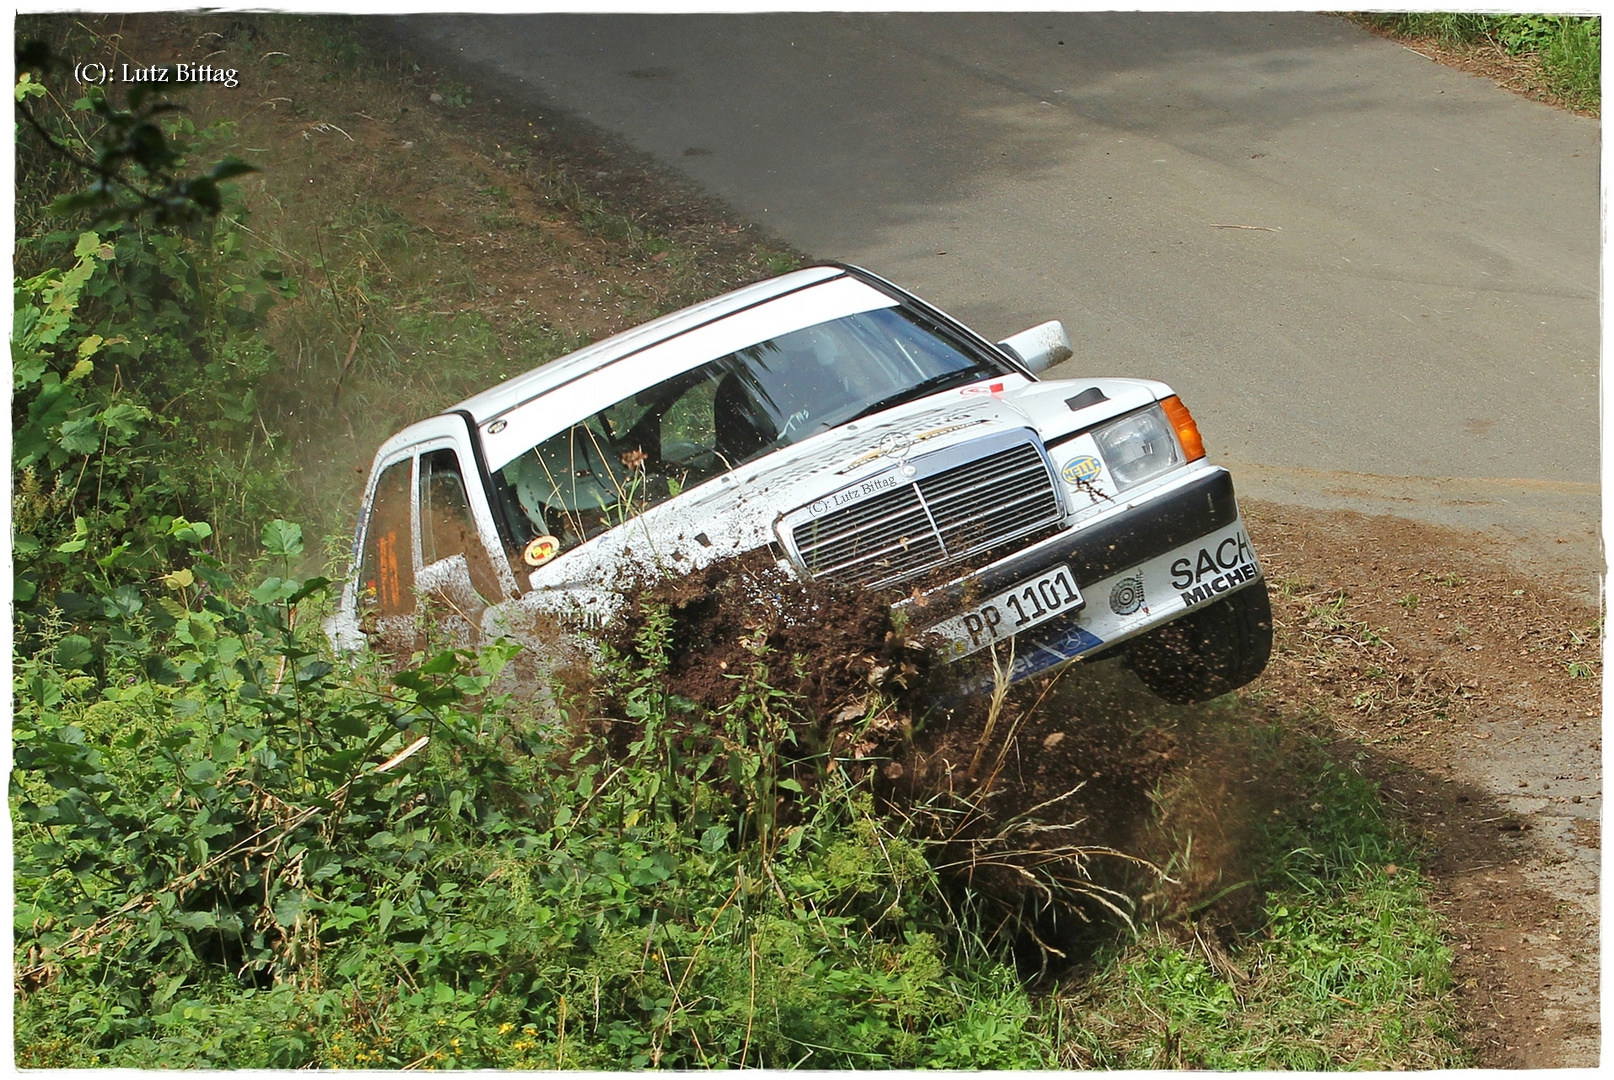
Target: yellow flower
{"type": "Point", "coordinates": [505, 1029]}
{"type": "Point", "coordinates": [454, 1042]}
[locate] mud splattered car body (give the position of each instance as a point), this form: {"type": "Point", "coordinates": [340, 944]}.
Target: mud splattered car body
{"type": "Point", "coordinates": [861, 437]}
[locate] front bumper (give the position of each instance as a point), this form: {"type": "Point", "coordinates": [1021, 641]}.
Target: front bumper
{"type": "Point", "coordinates": [1137, 569]}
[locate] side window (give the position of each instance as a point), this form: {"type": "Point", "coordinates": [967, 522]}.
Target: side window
{"type": "Point", "coordinates": [687, 430]}
{"type": "Point", "coordinates": [446, 525]}
{"type": "Point", "coordinates": [387, 570]}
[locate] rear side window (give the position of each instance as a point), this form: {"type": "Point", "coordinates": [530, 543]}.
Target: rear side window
{"type": "Point", "coordinates": [387, 570]}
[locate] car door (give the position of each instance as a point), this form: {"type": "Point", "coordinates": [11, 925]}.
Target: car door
{"type": "Point", "coordinates": [427, 567]}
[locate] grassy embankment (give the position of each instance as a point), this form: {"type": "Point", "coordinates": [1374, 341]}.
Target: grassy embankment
{"type": "Point", "coordinates": [1561, 56]}
{"type": "Point", "coordinates": [211, 870]}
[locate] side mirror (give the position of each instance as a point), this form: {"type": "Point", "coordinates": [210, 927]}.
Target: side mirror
{"type": "Point", "coordinates": [1041, 347]}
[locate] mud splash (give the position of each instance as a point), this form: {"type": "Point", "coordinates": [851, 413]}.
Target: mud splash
{"type": "Point", "coordinates": [1043, 803]}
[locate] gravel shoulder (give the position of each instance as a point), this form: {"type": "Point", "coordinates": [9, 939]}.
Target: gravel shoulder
{"type": "Point", "coordinates": [1472, 687]}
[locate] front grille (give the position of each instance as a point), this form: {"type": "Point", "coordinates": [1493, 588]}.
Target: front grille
{"type": "Point", "coordinates": [935, 520]}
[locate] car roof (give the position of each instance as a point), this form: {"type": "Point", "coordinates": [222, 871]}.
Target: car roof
{"type": "Point", "coordinates": [507, 395]}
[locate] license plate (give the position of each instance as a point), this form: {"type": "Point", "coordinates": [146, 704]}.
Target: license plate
{"type": "Point", "coordinates": [1000, 617]}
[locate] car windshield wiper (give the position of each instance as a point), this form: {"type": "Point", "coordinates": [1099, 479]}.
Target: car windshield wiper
{"type": "Point", "coordinates": [944, 381]}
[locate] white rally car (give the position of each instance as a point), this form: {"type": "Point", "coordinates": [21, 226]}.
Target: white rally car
{"type": "Point", "coordinates": [859, 436]}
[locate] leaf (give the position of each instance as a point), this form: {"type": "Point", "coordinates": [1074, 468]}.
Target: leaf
{"type": "Point", "coordinates": [320, 865]}
{"type": "Point", "coordinates": [309, 588]}
{"type": "Point", "coordinates": [124, 602]}
{"type": "Point", "coordinates": [384, 915]}
{"type": "Point", "coordinates": [289, 906]}
{"type": "Point", "coordinates": [122, 419]}
{"type": "Point", "coordinates": [282, 539]}
{"type": "Point", "coordinates": [179, 579]}
{"type": "Point", "coordinates": [81, 533]}
{"type": "Point", "coordinates": [443, 663]}
{"type": "Point", "coordinates": [28, 370]}
{"type": "Point", "coordinates": [89, 243]}
{"type": "Point", "coordinates": [27, 88]}
{"type": "Point", "coordinates": [230, 167]}
{"type": "Point", "coordinates": [161, 670]}
{"type": "Point", "coordinates": [74, 651]}
{"type": "Point", "coordinates": [189, 532]}
{"type": "Point", "coordinates": [80, 436]}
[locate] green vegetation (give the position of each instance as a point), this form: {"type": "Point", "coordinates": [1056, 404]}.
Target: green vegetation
{"type": "Point", "coordinates": [233, 849]}
{"type": "Point", "coordinates": [1347, 967]}
{"type": "Point", "coordinates": [1568, 48]}
{"type": "Point", "coordinates": [241, 862]}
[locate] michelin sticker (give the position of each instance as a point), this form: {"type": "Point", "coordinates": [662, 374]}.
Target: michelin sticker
{"type": "Point", "coordinates": [1215, 570]}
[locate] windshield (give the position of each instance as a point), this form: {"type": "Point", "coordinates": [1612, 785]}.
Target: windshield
{"type": "Point", "coordinates": [706, 421]}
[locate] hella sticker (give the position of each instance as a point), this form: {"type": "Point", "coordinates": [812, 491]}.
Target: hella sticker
{"type": "Point", "coordinates": [1082, 470]}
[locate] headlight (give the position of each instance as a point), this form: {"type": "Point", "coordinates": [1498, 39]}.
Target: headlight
{"type": "Point", "coordinates": [1139, 447]}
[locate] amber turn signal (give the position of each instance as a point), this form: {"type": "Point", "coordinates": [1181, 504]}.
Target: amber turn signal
{"type": "Point", "coordinates": [1193, 447]}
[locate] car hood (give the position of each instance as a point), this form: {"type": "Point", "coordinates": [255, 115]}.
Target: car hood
{"type": "Point", "coordinates": [737, 512]}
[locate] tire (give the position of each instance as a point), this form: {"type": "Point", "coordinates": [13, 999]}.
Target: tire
{"type": "Point", "coordinates": [1208, 652]}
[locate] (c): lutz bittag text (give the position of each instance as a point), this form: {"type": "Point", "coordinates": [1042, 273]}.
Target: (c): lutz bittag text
{"type": "Point", "coordinates": [178, 74]}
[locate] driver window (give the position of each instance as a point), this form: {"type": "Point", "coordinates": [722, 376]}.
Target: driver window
{"type": "Point", "coordinates": [447, 527]}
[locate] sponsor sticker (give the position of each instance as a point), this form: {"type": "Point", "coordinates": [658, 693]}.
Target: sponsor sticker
{"type": "Point", "coordinates": [1214, 570]}
{"type": "Point", "coordinates": [1082, 470]}
{"type": "Point", "coordinates": [1127, 598]}
{"type": "Point", "coordinates": [970, 391]}
{"type": "Point", "coordinates": [541, 550]}
{"type": "Point", "coordinates": [1046, 648]}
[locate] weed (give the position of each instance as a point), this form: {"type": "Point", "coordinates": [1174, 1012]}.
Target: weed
{"type": "Point", "coordinates": [1347, 968]}
{"type": "Point", "coordinates": [1568, 48]}
{"type": "Point", "coordinates": [1409, 601]}
{"type": "Point", "coordinates": [453, 94]}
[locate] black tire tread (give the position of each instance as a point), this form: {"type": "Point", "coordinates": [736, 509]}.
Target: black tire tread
{"type": "Point", "coordinates": [1208, 652]}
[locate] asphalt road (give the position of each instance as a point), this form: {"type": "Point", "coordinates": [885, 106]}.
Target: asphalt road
{"type": "Point", "coordinates": [1373, 279]}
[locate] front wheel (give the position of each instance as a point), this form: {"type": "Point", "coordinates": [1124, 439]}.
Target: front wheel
{"type": "Point", "coordinates": [1207, 652]}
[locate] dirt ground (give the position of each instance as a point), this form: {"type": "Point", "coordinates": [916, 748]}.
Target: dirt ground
{"type": "Point", "coordinates": [1475, 691]}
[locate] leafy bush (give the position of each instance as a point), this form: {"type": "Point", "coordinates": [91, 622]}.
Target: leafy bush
{"type": "Point", "coordinates": [135, 356]}
{"type": "Point", "coordinates": [270, 861]}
